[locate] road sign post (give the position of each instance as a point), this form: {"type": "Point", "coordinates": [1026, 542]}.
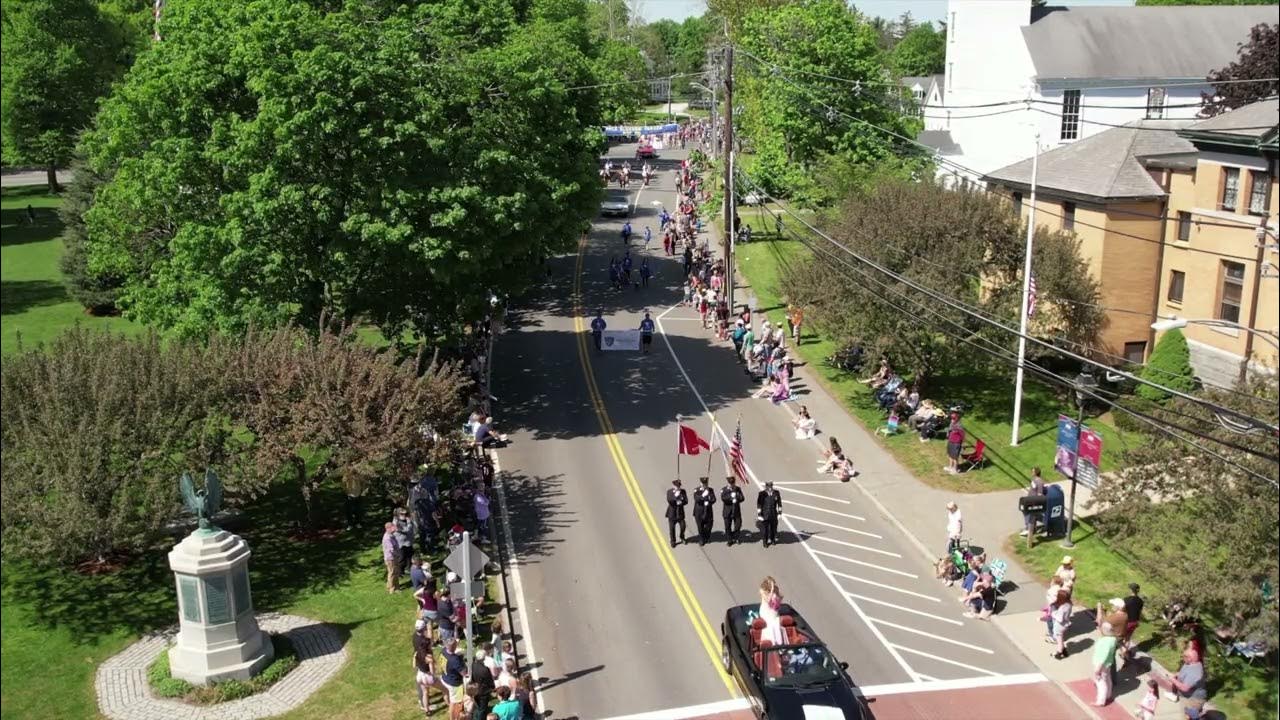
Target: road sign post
{"type": "Point", "coordinates": [467, 578]}
{"type": "Point", "coordinates": [464, 559]}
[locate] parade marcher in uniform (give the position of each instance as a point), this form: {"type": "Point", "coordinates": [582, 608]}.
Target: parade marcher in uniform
{"type": "Point", "coordinates": [597, 329]}
{"type": "Point", "coordinates": [732, 497]}
{"type": "Point", "coordinates": [646, 336]}
{"type": "Point", "coordinates": [704, 500]}
{"type": "Point", "coordinates": [768, 508]}
{"type": "Point", "coordinates": [677, 498]}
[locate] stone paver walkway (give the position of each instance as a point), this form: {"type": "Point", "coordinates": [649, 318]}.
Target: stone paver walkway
{"type": "Point", "coordinates": [124, 694]}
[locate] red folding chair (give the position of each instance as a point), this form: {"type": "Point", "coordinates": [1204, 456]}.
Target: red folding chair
{"type": "Point", "coordinates": [975, 458]}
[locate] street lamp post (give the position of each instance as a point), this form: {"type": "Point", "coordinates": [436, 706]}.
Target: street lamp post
{"type": "Point", "coordinates": [1085, 382]}
{"type": "Point", "coordinates": [1174, 322]}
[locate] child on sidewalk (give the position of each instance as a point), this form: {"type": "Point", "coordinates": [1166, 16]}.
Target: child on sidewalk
{"type": "Point", "coordinates": [1146, 709]}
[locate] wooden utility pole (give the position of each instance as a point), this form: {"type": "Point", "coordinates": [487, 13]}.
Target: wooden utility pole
{"type": "Point", "coordinates": [730, 207]}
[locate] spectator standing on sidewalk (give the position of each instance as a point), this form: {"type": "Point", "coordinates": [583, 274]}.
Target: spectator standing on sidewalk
{"type": "Point", "coordinates": [1030, 519]}
{"type": "Point", "coordinates": [405, 532]}
{"type": "Point", "coordinates": [1066, 572]}
{"type": "Point", "coordinates": [391, 556]}
{"type": "Point", "coordinates": [481, 502]}
{"type": "Point", "coordinates": [955, 526]}
{"type": "Point", "coordinates": [1060, 614]}
{"type": "Point", "coordinates": [1104, 660]}
{"type": "Point", "coordinates": [1133, 605]}
{"type": "Point", "coordinates": [483, 678]}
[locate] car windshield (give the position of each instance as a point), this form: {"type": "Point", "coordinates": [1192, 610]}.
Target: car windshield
{"type": "Point", "coordinates": [615, 197]}
{"type": "Point", "coordinates": [800, 665]}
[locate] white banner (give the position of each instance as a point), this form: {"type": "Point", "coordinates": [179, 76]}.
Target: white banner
{"type": "Point", "coordinates": [620, 340]}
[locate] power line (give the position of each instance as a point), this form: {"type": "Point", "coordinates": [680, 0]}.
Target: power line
{"type": "Point", "coordinates": [934, 155]}
{"type": "Point", "coordinates": [636, 82]}
{"type": "Point", "coordinates": [1013, 331]}
{"type": "Point", "coordinates": [1083, 346]}
{"type": "Point", "coordinates": [1000, 353]}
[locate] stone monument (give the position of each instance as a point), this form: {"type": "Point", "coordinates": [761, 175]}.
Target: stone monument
{"type": "Point", "coordinates": [218, 634]}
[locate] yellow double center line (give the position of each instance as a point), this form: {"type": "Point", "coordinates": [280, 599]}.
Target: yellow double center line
{"type": "Point", "coordinates": [704, 629]}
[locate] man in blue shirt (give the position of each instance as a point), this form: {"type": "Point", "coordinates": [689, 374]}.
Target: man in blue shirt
{"type": "Point", "coordinates": [597, 329]}
{"type": "Point", "coordinates": [646, 332]}
{"type": "Point", "coordinates": [648, 235]}
{"type": "Point", "coordinates": [626, 233]}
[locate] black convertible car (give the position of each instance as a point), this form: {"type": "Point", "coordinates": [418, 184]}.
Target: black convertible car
{"type": "Point", "coordinates": [797, 679]}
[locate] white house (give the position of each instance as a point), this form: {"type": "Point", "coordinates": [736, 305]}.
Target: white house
{"type": "Point", "coordinates": [1071, 72]}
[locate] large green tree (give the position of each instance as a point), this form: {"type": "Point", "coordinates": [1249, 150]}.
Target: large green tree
{"type": "Point", "coordinates": [1215, 548]}
{"type": "Point", "coordinates": [277, 160]}
{"type": "Point", "coordinates": [60, 56]}
{"type": "Point", "coordinates": [621, 70]}
{"type": "Point", "coordinates": [812, 86]}
{"type": "Point", "coordinates": [962, 243]}
{"type": "Point", "coordinates": [922, 51]}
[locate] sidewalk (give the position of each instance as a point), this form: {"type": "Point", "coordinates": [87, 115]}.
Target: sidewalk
{"type": "Point", "coordinates": [919, 511]}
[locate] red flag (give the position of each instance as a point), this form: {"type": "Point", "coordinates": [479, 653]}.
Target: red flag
{"type": "Point", "coordinates": [691, 443]}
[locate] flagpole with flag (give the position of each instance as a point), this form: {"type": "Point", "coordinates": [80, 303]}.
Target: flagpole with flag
{"type": "Point", "coordinates": [737, 461]}
{"type": "Point", "coordinates": [689, 442]}
{"type": "Point", "coordinates": [1028, 299]}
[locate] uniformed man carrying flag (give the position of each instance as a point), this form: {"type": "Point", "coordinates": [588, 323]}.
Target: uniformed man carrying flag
{"type": "Point", "coordinates": [732, 497]}
{"type": "Point", "coordinates": [768, 508]}
{"type": "Point", "coordinates": [704, 500]}
{"type": "Point", "coordinates": [677, 498]}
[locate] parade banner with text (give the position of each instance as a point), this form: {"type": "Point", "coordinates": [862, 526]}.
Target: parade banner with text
{"type": "Point", "coordinates": [620, 340]}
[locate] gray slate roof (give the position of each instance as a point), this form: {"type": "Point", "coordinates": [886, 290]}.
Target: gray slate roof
{"type": "Point", "coordinates": [1108, 166]}
{"type": "Point", "coordinates": [1252, 120]}
{"type": "Point", "coordinates": [1139, 42]}
{"type": "Point", "coordinates": [921, 80]}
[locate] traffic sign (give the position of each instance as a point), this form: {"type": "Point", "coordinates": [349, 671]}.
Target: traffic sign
{"type": "Point", "coordinates": [458, 557]}
{"type": "Point", "coordinates": [459, 590]}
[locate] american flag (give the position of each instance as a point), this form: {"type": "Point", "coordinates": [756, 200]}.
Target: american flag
{"type": "Point", "coordinates": [1031, 297]}
{"type": "Point", "coordinates": [736, 462]}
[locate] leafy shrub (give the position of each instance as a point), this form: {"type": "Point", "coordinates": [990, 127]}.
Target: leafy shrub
{"type": "Point", "coordinates": [163, 684]}
{"type": "Point", "coordinates": [1170, 366]}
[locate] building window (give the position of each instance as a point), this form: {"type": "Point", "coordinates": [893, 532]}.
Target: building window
{"type": "Point", "coordinates": [1135, 352]}
{"type": "Point", "coordinates": [1184, 226]}
{"type": "Point", "coordinates": [1155, 102]}
{"type": "Point", "coordinates": [1259, 184]}
{"type": "Point", "coordinates": [1068, 216]}
{"type": "Point", "coordinates": [1017, 204]}
{"type": "Point", "coordinates": [1232, 291]}
{"type": "Point", "coordinates": [1070, 115]}
{"type": "Point", "coordinates": [918, 95]}
{"type": "Point", "coordinates": [1230, 188]}
{"type": "Point", "coordinates": [1177, 284]}
{"type": "Point", "coordinates": [951, 28]}
{"type": "Point", "coordinates": [951, 76]}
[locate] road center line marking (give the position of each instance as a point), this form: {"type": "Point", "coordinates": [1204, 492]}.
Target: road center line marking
{"type": "Point", "coordinates": [833, 512]}
{"type": "Point", "coordinates": [867, 564]}
{"type": "Point", "coordinates": [941, 638]}
{"type": "Point", "coordinates": [865, 581]}
{"type": "Point", "coordinates": [855, 546]}
{"type": "Point", "coordinates": [786, 520]}
{"type": "Point", "coordinates": [804, 519]}
{"type": "Point", "coordinates": [874, 601]}
{"type": "Point", "coordinates": [810, 482]}
{"type": "Point", "coordinates": [684, 593]}
{"type": "Point", "coordinates": [921, 653]}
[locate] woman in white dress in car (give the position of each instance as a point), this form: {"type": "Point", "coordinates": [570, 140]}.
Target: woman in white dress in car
{"type": "Point", "coordinates": [770, 603]}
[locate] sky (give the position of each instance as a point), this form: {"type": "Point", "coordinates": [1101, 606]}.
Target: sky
{"type": "Point", "coordinates": [921, 10]}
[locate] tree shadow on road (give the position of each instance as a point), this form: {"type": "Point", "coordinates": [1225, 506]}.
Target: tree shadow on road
{"type": "Point", "coordinates": [535, 509]}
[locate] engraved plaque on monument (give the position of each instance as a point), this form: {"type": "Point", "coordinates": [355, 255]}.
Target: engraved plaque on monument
{"type": "Point", "coordinates": [189, 589]}
{"type": "Point", "coordinates": [240, 590]}
{"type": "Point", "coordinates": [217, 602]}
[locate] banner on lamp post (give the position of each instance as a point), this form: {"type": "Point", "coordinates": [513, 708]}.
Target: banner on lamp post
{"type": "Point", "coordinates": [1068, 445]}
{"type": "Point", "coordinates": [1090, 458]}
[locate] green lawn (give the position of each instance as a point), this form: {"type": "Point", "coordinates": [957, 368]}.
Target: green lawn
{"type": "Point", "coordinates": [33, 299]}
{"type": "Point", "coordinates": [58, 625]}
{"type": "Point", "coordinates": [1238, 689]}
{"type": "Point", "coordinates": [990, 397]}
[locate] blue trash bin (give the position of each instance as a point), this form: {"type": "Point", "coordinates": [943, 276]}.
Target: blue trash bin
{"type": "Point", "coordinates": [1055, 511]}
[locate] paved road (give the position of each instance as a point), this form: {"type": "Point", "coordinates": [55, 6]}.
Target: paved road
{"type": "Point", "coordinates": [18, 178]}
{"type": "Point", "coordinates": [619, 622]}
